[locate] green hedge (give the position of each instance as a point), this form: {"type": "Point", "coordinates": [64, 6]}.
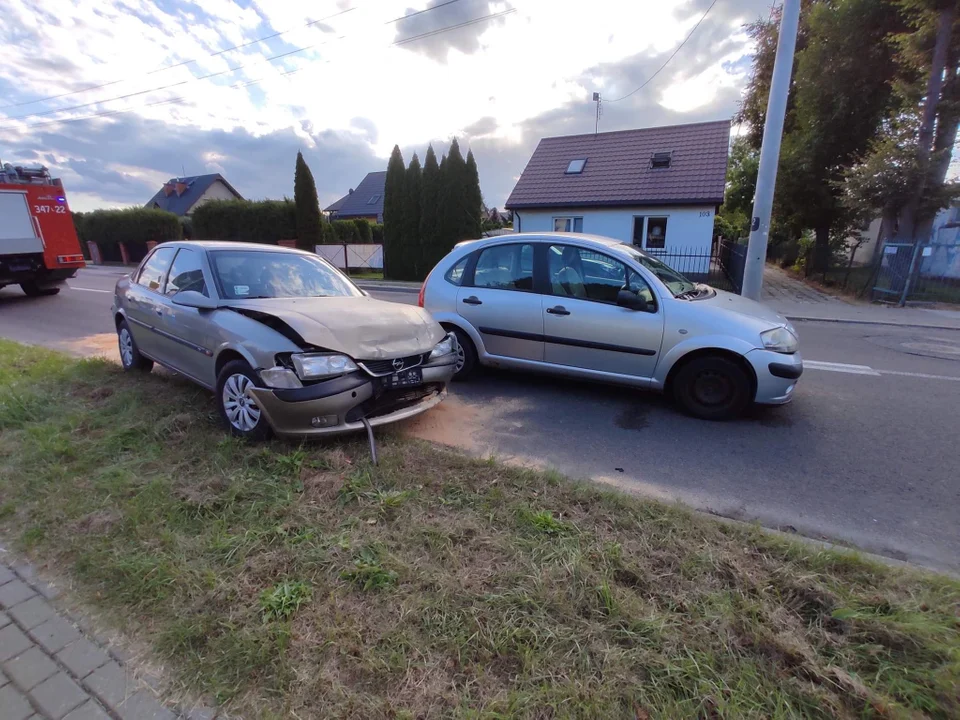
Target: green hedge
{"type": "Point", "coordinates": [133, 226]}
{"type": "Point", "coordinates": [262, 221]}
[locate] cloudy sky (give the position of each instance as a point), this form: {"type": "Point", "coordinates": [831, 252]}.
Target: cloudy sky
{"type": "Point", "coordinates": [179, 86]}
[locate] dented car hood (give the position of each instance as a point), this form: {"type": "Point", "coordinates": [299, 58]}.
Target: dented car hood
{"type": "Point", "coordinates": [362, 327]}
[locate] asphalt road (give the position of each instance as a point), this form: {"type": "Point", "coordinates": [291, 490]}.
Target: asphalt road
{"type": "Point", "coordinates": [866, 454]}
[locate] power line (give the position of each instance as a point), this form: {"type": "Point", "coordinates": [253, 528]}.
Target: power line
{"type": "Point", "coordinates": [175, 65]}
{"type": "Point", "coordinates": [403, 41]}
{"type": "Point", "coordinates": [228, 70]}
{"type": "Point", "coordinates": [679, 47]}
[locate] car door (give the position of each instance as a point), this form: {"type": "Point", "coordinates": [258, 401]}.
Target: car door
{"type": "Point", "coordinates": [143, 301]}
{"type": "Point", "coordinates": [185, 332]}
{"type": "Point", "coordinates": [584, 327]}
{"type": "Point", "coordinates": [500, 302]}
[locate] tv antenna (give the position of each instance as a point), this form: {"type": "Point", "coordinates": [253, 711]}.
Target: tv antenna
{"type": "Point", "coordinates": [599, 102]}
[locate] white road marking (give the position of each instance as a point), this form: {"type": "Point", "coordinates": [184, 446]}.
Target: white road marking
{"type": "Point", "coordinates": [839, 367]}
{"type": "Point", "coordinates": [925, 376]}
{"type": "Point", "coordinates": [867, 370]}
{"type": "Point", "coordinates": [90, 289]}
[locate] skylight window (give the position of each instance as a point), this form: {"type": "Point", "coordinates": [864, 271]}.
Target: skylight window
{"type": "Point", "coordinates": [576, 166]}
{"type": "Point", "coordinates": [660, 160]}
{"type": "Point", "coordinates": [373, 200]}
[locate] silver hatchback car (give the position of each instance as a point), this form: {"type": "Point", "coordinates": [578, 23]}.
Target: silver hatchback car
{"type": "Point", "coordinates": [594, 308]}
{"type": "Point", "coordinates": [287, 342]}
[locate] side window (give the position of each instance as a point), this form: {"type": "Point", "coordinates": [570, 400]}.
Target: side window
{"type": "Point", "coordinates": [585, 274]}
{"type": "Point", "coordinates": [186, 273]}
{"type": "Point", "coordinates": [505, 267]}
{"type": "Point", "coordinates": [151, 275]}
{"type": "Point", "coordinates": [454, 275]}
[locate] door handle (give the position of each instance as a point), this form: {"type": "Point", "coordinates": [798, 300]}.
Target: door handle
{"type": "Point", "coordinates": [473, 300]}
{"type": "Point", "coordinates": [558, 310]}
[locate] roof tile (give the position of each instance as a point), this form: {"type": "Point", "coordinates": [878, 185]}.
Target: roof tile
{"type": "Point", "coordinates": [618, 170]}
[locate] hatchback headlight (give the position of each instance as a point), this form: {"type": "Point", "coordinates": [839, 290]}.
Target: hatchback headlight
{"type": "Point", "coordinates": [779, 340]}
{"type": "Point", "coordinates": [315, 366]}
{"type": "Point", "coordinates": [445, 347]}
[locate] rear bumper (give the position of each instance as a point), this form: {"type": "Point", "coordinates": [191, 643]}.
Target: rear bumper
{"type": "Point", "coordinates": [777, 375]}
{"type": "Point", "coordinates": [337, 406]}
{"type": "Point", "coordinates": [31, 268]}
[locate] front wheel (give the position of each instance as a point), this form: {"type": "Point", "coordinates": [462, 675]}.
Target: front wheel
{"type": "Point", "coordinates": [712, 387]}
{"type": "Point", "coordinates": [32, 289]}
{"type": "Point", "coordinates": [239, 410]}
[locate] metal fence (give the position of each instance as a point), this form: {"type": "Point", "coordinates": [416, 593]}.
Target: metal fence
{"type": "Point", "coordinates": [918, 272]}
{"type": "Point", "coordinates": [721, 266]}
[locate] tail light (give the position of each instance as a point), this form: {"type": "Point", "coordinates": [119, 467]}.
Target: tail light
{"type": "Point", "coordinates": [423, 289]}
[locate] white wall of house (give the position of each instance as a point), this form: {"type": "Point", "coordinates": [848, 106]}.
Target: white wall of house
{"type": "Point", "coordinates": [689, 228]}
{"type": "Point", "coordinates": [216, 191]}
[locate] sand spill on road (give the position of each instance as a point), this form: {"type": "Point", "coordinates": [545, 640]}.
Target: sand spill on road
{"type": "Point", "coordinates": [100, 345]}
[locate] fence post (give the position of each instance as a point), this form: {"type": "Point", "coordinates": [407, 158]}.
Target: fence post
{"type": "Point", "coordinates": [346, 265]}
{"type": "Point", "coordinates": [906, 284]}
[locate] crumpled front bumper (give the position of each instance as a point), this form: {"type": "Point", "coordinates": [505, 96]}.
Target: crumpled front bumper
{"type": "Point", "coordinates": [336, 406]}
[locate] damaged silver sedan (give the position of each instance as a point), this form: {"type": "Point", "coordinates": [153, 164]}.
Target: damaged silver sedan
{"type": "Point", "coordinates": [288, 343]}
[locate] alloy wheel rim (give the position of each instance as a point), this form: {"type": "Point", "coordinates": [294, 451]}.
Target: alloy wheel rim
{"type": "Point", "coordinates": [242, 412]}
{"type": "Point", "coordinates": [126, 347]}
{"type": "Point", "coordinates": [461, 358]}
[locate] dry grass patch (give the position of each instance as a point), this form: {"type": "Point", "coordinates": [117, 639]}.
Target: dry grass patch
{"type": "Point", "coordinates": [300, 580]}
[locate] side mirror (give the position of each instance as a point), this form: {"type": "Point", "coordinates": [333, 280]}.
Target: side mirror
{"type": "Point", "coordinates": [191, 298]}
{"type": "Point", "coordinates": [631, 301]}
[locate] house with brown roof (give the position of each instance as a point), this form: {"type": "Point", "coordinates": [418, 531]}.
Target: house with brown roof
{"type": "Point", "coordinates": [183, 195]}
{"type": "Point", "coordinates": [657, 188]}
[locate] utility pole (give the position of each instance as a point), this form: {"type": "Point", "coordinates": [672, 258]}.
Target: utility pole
{"type": "Point", "coordinates": [596, 99]}
{"type": "Point", "coordinates": [770, 150]}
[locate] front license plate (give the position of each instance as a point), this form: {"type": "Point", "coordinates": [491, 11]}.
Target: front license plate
{"type": "Point", "coordinates": [404, 378]}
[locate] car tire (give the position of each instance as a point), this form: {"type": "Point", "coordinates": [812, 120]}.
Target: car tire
{"type": "Point", "coordinates": [466, 356]}
{"type": "Point", "coordinates": [130, 356]}
{"type": "Point", "coordinates": [240, 414]}
{"type": "Point", "coordinates": [712, 387]}
{"type": "Point", "coordinates": [32, 289]}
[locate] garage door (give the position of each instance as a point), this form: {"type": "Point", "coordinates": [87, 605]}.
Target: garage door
{"type": "Point", "coordinates": [17, 231]}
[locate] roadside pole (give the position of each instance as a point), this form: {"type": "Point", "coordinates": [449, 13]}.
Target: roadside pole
{"type": "Point", "coordinates": [770, 150]}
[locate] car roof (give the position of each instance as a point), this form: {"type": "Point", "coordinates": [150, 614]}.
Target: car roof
{"type": "Point", "coordinates": [229, 245]}
{"type": "Point", "coordinates": [598, 241]}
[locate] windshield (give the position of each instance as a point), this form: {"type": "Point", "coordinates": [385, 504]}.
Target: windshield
{"type": "Point", "coordinates": [675, 282]}
{"type": "Point", "coordinates": [242, 274]}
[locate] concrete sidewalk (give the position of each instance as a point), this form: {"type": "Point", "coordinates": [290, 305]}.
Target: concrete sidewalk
{"type": "Point", "coordinates": [796, 300]}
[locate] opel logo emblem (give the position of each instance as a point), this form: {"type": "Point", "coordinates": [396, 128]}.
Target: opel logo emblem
{"type": "Point", "coordinates": [398, 364]}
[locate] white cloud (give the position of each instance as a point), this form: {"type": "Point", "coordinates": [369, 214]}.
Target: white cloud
{"type": "Point", "coordinates": [541, 62]}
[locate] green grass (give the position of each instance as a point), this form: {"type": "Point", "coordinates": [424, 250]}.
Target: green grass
{"type": "Point", "coordinates": [298, 580]}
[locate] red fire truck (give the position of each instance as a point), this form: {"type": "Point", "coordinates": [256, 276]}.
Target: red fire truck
{"type": "Point", "coordinates": [39, 248]}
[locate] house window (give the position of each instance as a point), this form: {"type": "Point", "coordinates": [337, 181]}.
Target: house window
{"type": "Point", "coordinates": [568, 224]}
{"type": "Point", "coordinates": [650, 233]}
{"type": "Point", "coordinates": [660, 160]}
{"type": "Point", "coordinates": [656, 233]}
{"type": "Point", "coordinates": [576, 166]}
{"type": "Point", "coordinates": [373, 200]}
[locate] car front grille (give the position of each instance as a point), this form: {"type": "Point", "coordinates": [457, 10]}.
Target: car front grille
{"type": "Point", "coordinates": [379, 368]}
